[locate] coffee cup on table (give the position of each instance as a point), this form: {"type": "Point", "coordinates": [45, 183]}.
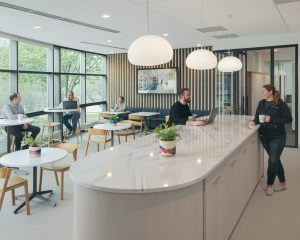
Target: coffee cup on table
{"type": "Point", "coordinates": [20, 117]}
{"type": "Point", "coordinates": [261, 118]}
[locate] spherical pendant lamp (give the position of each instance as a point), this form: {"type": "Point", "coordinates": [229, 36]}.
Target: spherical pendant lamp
{"type": "Point", "coordinates": [201, 59]}
{"type": "Point", "coordinates": [150, 50]}
{"type": "Point", "coordinates": [230, 64]}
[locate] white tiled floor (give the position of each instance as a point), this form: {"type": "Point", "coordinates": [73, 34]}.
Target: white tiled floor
{"type": "Point", "coordinates": [274, 218]}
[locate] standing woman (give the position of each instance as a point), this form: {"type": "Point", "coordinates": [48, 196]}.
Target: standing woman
{"type": "Point", "coordinates": [272, 113]}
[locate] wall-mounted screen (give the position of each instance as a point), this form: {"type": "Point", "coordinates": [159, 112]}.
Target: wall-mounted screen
{"type": "Point", "coordinates": [157, 81]}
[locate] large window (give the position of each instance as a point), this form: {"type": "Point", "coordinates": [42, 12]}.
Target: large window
{"type": "Point", "coordinates": [43, 73]}
{"type": "Point", "coordinates": [4, 53]}
{"type": "Point", "coordinates": [35, 99]}
{"type": "Point", "coordinates": [70, 61]}
{"type": "Point", "coordinates": [70, 83]}
{"type": "Point", "coordinates": [32, 57]}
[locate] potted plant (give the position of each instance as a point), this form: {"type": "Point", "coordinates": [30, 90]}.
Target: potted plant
{"type": "Point", "coordinates": [34, 147]}
{"type": "Point", "coordinates": [113, 119]}
{"type": "Point", "coordinates": [167, 139]}
{"type": "Point", "coordinates": [229, 110]}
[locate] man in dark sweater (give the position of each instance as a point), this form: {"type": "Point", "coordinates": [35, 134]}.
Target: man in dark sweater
{"type": "Point", "coordinates": [180, 113]}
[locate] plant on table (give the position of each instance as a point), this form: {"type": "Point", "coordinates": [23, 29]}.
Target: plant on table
{"type": "Point", "coordinates": [167, 139]}
{"type": "Point", "coordinates": [113, 119]}
{"type": "Point", "coordinates": [229, 110]}
{"type": "Point", "coordinates": [34, 146]}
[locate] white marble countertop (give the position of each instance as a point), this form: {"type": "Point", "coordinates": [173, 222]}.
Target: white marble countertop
{"type": "Point", "coordinates": [112, 127]}
{"type": "Point", "coordinates": [137, 167]}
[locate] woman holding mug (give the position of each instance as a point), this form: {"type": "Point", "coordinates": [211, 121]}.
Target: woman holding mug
{"type": "Point", "coordinates": [272, 113]}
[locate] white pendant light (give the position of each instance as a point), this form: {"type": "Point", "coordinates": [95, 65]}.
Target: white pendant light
{"type": "Point", "coordinates": [201, 59]}
{"type": "Point", "coordinates": [150, 50]}
{"type": "Point", "coordinates": [230, 64]}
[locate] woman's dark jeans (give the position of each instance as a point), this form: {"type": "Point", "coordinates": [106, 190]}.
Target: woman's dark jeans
{"type": "Point", "coordinates": [274, 147]}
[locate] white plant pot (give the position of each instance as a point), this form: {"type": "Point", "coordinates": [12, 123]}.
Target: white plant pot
{"type": "Point", "coordinates": [35, 151]}
{"type": "Point", "coordinates": [167, 148]}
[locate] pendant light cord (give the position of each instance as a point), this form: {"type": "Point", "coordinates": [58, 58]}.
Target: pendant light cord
{"type": "Point", "coordinates": [148, 17]}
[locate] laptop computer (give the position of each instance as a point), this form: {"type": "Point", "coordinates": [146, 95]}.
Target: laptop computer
{"type": "Point", "coordinates": [69, 104]}
{"type": "Point", "coordinates": [212, 116]}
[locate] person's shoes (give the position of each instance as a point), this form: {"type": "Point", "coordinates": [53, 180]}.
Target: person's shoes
{"type": "Point", "coordinates": [264, 187]}
{"type": "Point", "coordinates": [280, 187]}
{"type": "Point", "coordinates": [269, 191]}
{"type": "Point", "coordinates": [69, 133]}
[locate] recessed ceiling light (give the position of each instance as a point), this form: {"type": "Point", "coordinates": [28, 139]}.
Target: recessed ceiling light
{"type": "Point", "coordinates": [37, 27]}
{"type": "Point", "coordinates": [109, 40]}
{"type": "Point", "coordinates": [166, 34]}
{"type": "Point", "coordinates": [105, 16]}
{"type": "Point", "coordinates": [198, 45]}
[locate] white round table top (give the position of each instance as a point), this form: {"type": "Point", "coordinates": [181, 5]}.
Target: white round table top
{"type": "Point", "coordinates": [15, 122]}
{"type": "Point", "coordinates": [22, 158]}
{"type": "Point", "coordinates": [112, 127]}
{"type": "Point", "coordinates": [58, 110]}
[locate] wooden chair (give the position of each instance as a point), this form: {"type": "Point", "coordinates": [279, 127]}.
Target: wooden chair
{"type": "Point", "coordinates": [138, 121]}
{"type": "Point", "coordinates": [60, 166]}
{"type": "Point", "coordinates": [127, 132]}
{"type": "Point", "coordinates": [10, 182]}
{"type": "Point", "coordinates": [51, 127]}
{"type": "Point", "coordinates": [100, 133]}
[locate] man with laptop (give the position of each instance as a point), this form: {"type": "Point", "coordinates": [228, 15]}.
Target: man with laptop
{"type": "Point", "coordinates": [180, 113]}
{"type": "Point", "coordinates": [71, 102]}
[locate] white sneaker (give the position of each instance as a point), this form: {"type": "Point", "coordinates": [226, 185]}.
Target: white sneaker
{"type": "Point", "coordinates": [280, 187]}
{"type": "Point", "coordinates": [269, 191]}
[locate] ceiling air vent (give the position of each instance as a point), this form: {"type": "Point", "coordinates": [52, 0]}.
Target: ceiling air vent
{"type": "Point", "coordinates": [224, 36]}
{"type": "Point", "coordinates": [284, 1]}
{"type": "Point", "coordinates": [211, 29]}
{"type": "Point", "coordinates": [48, 15]}
{"type": "Point", "coordinates": [103, 45]}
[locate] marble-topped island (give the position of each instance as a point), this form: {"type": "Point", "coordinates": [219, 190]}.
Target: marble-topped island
{"type": "Point", "coordinates": [130, 192]}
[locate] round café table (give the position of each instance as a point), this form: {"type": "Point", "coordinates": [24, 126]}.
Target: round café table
{"type": "Point", "coordinates": [13, 122]}
{"type": "Point", "coordinates": [23, 159]}
{"type": "Point", "coordinates": [60, 111]}
{"type": "Point", "coordinates": [112, 128]}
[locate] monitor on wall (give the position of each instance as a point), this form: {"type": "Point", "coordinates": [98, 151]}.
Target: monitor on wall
{"type": "Point", "coordinates": [157, 81]}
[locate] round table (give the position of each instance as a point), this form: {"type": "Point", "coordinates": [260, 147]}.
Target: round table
{"type": "Point", "coordinates": [23, 159]}
{"type": "Point", "coordinates": [112, 128]}
{"type": "Point", "coordinates": [60, 111]}
{"type": "Point", "coordinates": [13, 122]}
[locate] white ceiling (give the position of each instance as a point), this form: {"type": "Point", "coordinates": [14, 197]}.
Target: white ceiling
{"type": "Point", "coordinates": [178, 18]}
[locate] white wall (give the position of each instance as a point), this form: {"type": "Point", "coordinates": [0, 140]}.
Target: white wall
{"type": "Point", "coordinates": [263, 41]}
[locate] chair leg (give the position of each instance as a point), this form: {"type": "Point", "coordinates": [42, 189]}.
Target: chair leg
{"type": "Point", "coordinates": [27, 198]}
{"type": "Point", "coordinates": [49, 136]}
{"type": "Point", "coordinates": [126, 138]}
{"type": "Point", "coordinates": [56, 178]}
{"type": "Point", "coordinates": [13, 197]}
{"type": "Point", "coordinates": [87, 147]}
{"type": "Point", "coordinates": [119, 139]}
{"type": "Point", "coordinates": [98, 147]}
{"type": "Point", "coordinates": [42, 135]}
{"type": "Point", "coordinates": [41, 179]}
{"type": "Point", "coordinates": [62, 185]}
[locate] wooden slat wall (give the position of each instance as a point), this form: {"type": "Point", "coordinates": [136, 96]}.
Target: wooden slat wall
{"type": "Point", "coordinates": [122, 80]}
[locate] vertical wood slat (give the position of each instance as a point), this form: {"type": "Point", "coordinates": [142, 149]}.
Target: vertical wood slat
{"type": "Point", "coordinates": [122, 80]}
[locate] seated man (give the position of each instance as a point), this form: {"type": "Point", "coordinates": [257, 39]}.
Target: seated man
{"type": "Point", "coordinates": [11, 110]}
{"type": "Point", "coordinates": [180, 113]}
{"type": "Point", "coordinates": [121, 105]}
{"type": "Point", "coordinates": [74, 116]}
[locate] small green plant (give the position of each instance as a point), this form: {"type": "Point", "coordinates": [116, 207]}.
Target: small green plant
{"type": "Point", "coordinates": [165, 133]}
{"type": "Point", "coordinates": [229, 109]}
{"type": "Point", "coordinates": [113, 117]}
{"type": "Point", "coordinates": [31, 142]}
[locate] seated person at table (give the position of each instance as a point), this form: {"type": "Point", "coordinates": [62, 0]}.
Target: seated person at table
{"type": "Point", "coordinates": [73, 116]}
{"type": "Point", "coordinates": [121, 105]}
{"type": "Point", "coordinates": [11, 110]}
{"type": "Point", "coordinates": [180, 113]}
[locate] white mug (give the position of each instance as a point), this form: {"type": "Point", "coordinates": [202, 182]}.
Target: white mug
{"type": "Point", "coordinates": [261, 118]}
{"type": "Point", "coordinates": [20, 117]}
